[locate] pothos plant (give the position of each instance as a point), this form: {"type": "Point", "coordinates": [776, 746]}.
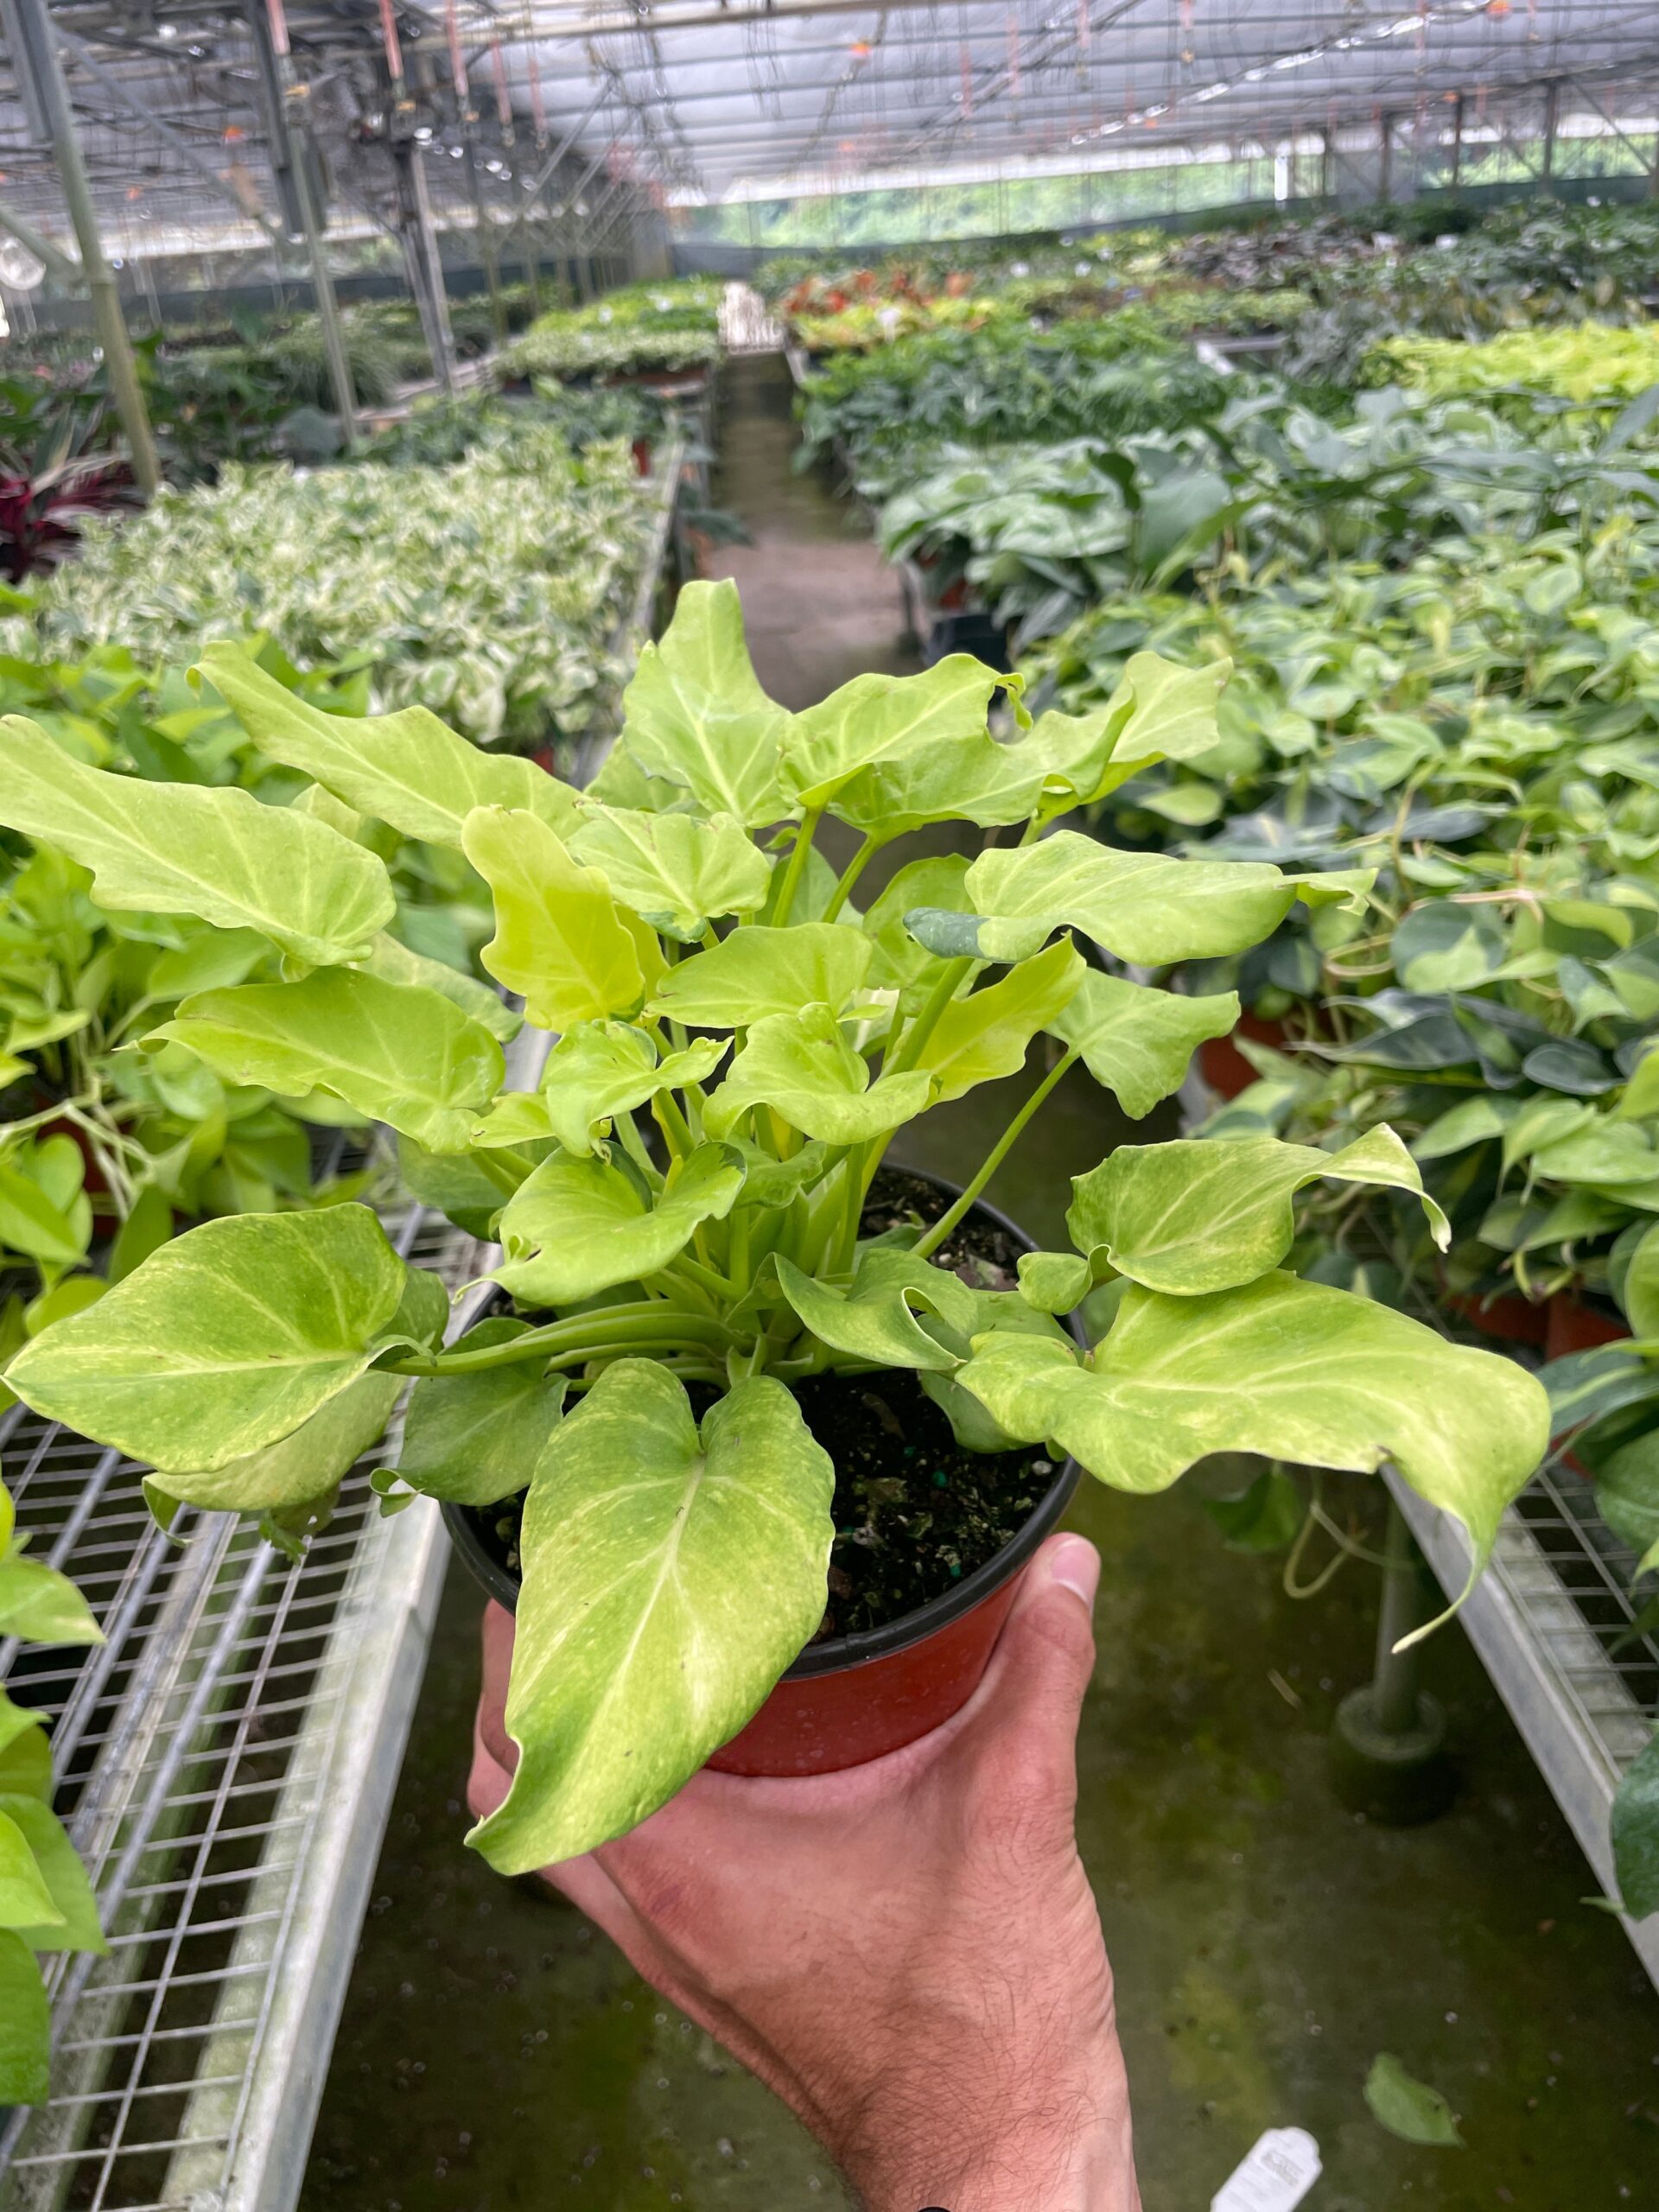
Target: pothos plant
{"type": "Point", "coordinates": [679, 929]}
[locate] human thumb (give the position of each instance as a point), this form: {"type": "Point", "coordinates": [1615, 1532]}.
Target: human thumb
{"type": "Point", "coordinates": [1033, 1686]}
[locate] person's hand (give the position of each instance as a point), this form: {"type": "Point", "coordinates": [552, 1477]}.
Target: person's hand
{"type": "Point", "coordinates": [908, 1951]}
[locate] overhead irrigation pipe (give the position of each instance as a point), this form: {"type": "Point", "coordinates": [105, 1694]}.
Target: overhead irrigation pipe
{"type": "Point", "coordinates": [551, 165]}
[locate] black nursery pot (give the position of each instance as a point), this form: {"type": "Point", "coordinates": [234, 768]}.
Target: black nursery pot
{"type": "Point", "coordinates": [849, 1698]}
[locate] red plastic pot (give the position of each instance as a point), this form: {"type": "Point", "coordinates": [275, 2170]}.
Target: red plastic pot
{"type": "Point", "coordinates": [1224, 1067]}
{"type": "Point", "coordinates": [855, 1698]}
{"type": "Point", "coordinates": [1572, 1326]}
{"type": "Point", "coordinates": [642, 456]}
{"type": "Point", "coordinates": [1510, 1319]}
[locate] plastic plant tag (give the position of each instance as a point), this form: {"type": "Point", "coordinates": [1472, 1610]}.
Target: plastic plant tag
{"type": "Point", "coordinates": [1275, 2176]}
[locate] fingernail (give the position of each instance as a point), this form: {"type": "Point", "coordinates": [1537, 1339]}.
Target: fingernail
{"type": "Point", "coordinates": [1075, 1563]}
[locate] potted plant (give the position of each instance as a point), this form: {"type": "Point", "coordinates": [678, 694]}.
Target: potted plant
{"type": "Point", "coordinates": [702, 1298]}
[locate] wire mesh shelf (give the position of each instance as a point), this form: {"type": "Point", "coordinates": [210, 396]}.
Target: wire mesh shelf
{"type": "Point", "coordinates": [225, 1764]}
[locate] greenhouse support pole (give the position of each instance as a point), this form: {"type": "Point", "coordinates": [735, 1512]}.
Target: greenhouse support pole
{"type": "Point", "coordinates": [327, 306]}
{"type": "Point", "coordinates": [486, 232]}
{"type": "Point", "coordinates": [48, 71]}
{"type": "Point", "coordinates": [421, 255]}
{"type": "Point", "coordinates": [1551, 107]}
{"type": "Point", "coordinates": [63, 266]}
{"type": "Point", "coordinates": [1457, 143]}
{"type": "Point", "coordinates": [1385, 155]}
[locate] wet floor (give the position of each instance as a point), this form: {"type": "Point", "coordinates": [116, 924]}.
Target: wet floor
{"type": "Point", "coordinates": [497, 2054]}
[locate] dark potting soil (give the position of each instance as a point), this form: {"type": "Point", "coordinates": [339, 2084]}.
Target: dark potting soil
{"type": "Point", "coordinates": [914, 1512]}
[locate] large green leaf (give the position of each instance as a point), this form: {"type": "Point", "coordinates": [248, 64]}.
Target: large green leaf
{"type": "Point", "coordinates": [1144, 906]}
{"type": "Point", "coordinates": [1201, 1215]}
{"type": "Point", "coordinates": [986, 1034]}
{"type": "Point", "coordinates": [1138, 1041]}
{"type": "Point", "coordinates": [25, 1900]}
{"type": "Point", "coordinates": [559, 938]}
{"type": "Point", "coordinates": [395, 963]}
{"type": "Point", "coordinates": [25, 1754]}
{"type": "Point", "coordinates": [74, 1926]}
{"type": "Point", "coordinates": [974, 780]}
{"type": "Point", "coordinates": [704, 644]}
{"type": "Point", "coordinates": [406, 769]}
{"type": "Point", "coordinates": [1292, 1371]}
{"type": "Point", "coordinates": [875, 1319]}
{"type": "Point", "coordinates": [594, 1073]}
{"type": "Point", "coordinates": [581, 1226]}
{"type": "Point", "coordinates": [901, 960]}
{"type": "Point", "coordinates": [396, 1051]}
{"type": "Point", "coordinates": [674, 871]}
{"type": "Point", "coordinates": [670, 1576]}
{"type": "Point", "coordinates": [301, 1468]}
{"type": "Point", "coordinates": [475, 1439]}
{"type": "Point", "coordinates": [802, 1066]}
{"type": "Point", "coordinates": [877, 717]}
{"type": "Point", "coordinates": [225, 1340]}
{"type": "Point", "coordinates": [1636, 1834]}
{"type": "Point", "coordinates": [695, 714]}
{"type": "Point", "coordinates": [41, 1606]}
{"type": "Point", "coordinates": [183, 848]}
{"type": "Point", "coordinates": [25, 2026]}
{"type": "Point", "coordinates": [755, 972]}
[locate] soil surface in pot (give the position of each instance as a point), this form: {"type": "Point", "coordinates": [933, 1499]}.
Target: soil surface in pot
{"type": "Point", "coordinates": [914, 1512]}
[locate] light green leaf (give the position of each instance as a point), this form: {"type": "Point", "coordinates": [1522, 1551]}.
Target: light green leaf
{"type": "Point", "coordinates": [25, 2026]}
{"type": "Point", "coordinates": [1138, 1041]}
{"type": "Point", "coordinates": [25, 1754]}
{"type": "Point", "coordinates": [986, 1034]}
{"type": "Point", "coordinates": [877, 717]}
{"type": "Point", "coordinates": [1159, 711]}
{"type": "Point", "coordinates": [476, 1438]}
{"type": "Point", "coordinates": [42, 1606]}
{"type": "Point", "coordinates": [1407, 2108]}
{"type": "Point", "coordinates": [1639, 1296]}
{"type": "Point", "coordinates": [406, 769]}
{"type": "Point", "coordinates": [674, 871]}
{"type": "Point", "coordinates": [1053, 1282]}
{"type": "Point", "coordinates": [756, 972]}
{"type": "Point", "coordinates": [25, 1900]}
{"type": "Point", "coordinates": [975, 779]}
{"type": "Point", "coordinates": [1202, 1215]}
{"type": "Point", "coordinates": [695, 714]}
{"type": "Point", "coordinates": [183, 848]}
{"type": "Point", "coordinates": [74, 1923]}
{"type": "Point", "coordinates": [876, 1320]}
{"type": "Point", "coordinates": [1144, 906]}
{"type": "Point", "coordinates": [225, 1340]}
{"type": "Point", "coordinates": [396, 1051]}
{"type": "Point", "coordinates": [32, 1224]}
{"type": "Point", "coordinates": [901, 959]}
{"type": "Point", "coordinates": [581, 1226]}
{"type": "Point", "coordinates": [146, 1229]}
{"type": "Point", "coordinates": [670, 1578]}
{"type": "Point", "coordinates": [1291, 1370]}
{"type": "Point", "coordinates": [302, 1467]}
{"type": "Point", "coordinates": [1471, 1123]}
{"type": "Point", "coordinates": [802, 1066]}
{"type": "Point", "coordinates": [559, 938]}
{"type": "Point", "coordinates": [594, 1073]}
{"type": "Point", "coordinates": [395, 963]}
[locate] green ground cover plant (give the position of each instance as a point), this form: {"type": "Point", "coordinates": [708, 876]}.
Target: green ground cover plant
{"type": "Point", "coordinates": [703, 965]}
{"type": "Point", "coordinates": [1585, 361]}
{"type": "Point", "coordinates": [672, 325]}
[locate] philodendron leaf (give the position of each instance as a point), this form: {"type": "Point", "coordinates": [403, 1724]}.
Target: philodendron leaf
{"type": "Point", "coordinates": [594, 1073]}
{"type": "Point", "coordinates": [395, 963]}
{"type": "Point", "coordinates": [986, 1034]}
{"type": "Point", "coordinates": [25, 1901]}
{"type": "Point", "coordinates": [560, 939]}
{"type": "Point", "coordinates": [802, 1066]}
{"type": "Point", "coordinates": [672, 870]}
{"type": "Point", "coordinates": [1159, 711]}
{"type": "Point", "coordinates": [695, 713]}
{"type": "Point", "coordinates": [301, 1468]}
{"type": "Point", "coordinates": [476, 1438]}
{"type": "Point", "coordinates": [183, 848]}
{"type": "Point", "coordinates": [670, 1576]}
{"type": "Point", "coordinates": [42, 1606]}
{"type": "Point", "coordinates": [1053, 1282]}
{"type": "Point", "coordinates": [74, 1923]}
{"type": "Point", "coordinates": [25, 1754]}
{"type": "Point", "coordinates": [225, 1340]}
{"type": "Point", "coordinates": [1143, 906]}
{"type": "Point", "coordinates": [396, 1051]}
{"type": "Point", "coordinates": [406, 769]}
{"type": "Point", "coordinates": [581, 1226]}
{"type": "Point", "coordinates": [1138, 1041]}
{"type": "Point", "coordinates": [1290, 1370]}
{"type": "Point", "coordinates": [25, 2025]}
{"type": "Point", "coordinates": [755, 972]}
{"type": "Point", "coordinates": [876, 1320]}
{"type": "Point", "coordinates": [1636, 1834]}
{"type": "Point", "coordinates": [1206, 1214]}
{"type": "Point", "coordinates": [878, 717]}
{"type": "Point", "coordinates": [937, 885]}
{"type": "Point", "coordinates": [976, 779]}
{"type": "Point", "coordinates": [1408, 2107]}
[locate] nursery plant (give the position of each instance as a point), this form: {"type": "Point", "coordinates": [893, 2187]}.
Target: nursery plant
{"type": "Point", "coordinates": [703, 1277]}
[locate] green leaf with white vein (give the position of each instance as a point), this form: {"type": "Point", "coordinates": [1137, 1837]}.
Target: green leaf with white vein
{"type": "Point", "coordinates": [395, 963]}
{"type": "Point", "coordinates": [1143, 906]}
{"type": "Point", "coordinates": [406, 769]}
{"type": "Point", "coordinates": [603, 1068]}
{"type": "Point", "coordinates": [1207, 1214]}
{"type": "Point", "coordinates": [559, 938]}
{"type": "Point", "coordinates": [976, 779]}
{"type": "Point", "coordinates": [225, 1340]}
{"type": "Point", "coordinates": [1290, 1370]}
{"type": "Point", "coordinates": [879, 717]}
{"type": "Point", "coordinates": [396, 1051]}
{"type": "Point", "coordinates": [1159, 711]}
{"type": "Point", "coordinates": [875, 1319]}
{"type": "Point", "coordinates": [580, 1226]}
{"type": "Point", "coordinates": [301, 1468]}
{"type": "Point", "coordinates": [1138, 1041]}
{"type": "Point", "coordinates": [704, 644]}
{"type": "Point", "coordinates": [802, 1066]}
{"type": "Point", "coordinates": [695, 714]}
{"type": "Point", "coordinates": [475, 1439]}
{"type": "Point", "coordinates": [755, 972]}
{"type": "Point", "coordinates": [669, 1577]}
{"type": "Point", "coordinates": [674, 871]}
{"type": "Point", "coordinates": [986, 1035]}
{"type": "Point", "coordinates": [183, 848]}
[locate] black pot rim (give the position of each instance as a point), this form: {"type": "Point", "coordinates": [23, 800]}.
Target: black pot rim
{"type": "Point", "coordinates": [837, 1654]}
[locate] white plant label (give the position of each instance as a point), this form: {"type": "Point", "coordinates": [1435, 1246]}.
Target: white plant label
{"type": "Point", "coordinates": [1275, 2178]}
